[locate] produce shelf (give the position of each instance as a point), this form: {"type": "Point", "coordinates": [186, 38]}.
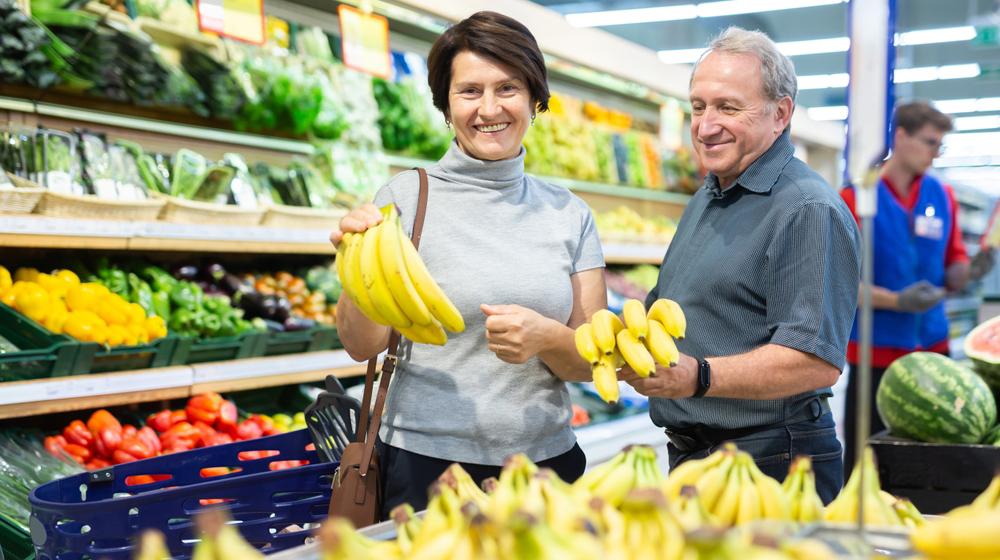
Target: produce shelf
{"type": "Point", "coordinates": [65, 233]}
{"type": "Point", "coordinates": [79, 392]}
{"type": "Point", "coordinates": [620, 191]}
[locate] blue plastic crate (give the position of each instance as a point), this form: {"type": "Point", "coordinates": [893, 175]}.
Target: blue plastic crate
{"type": "Point", "coordinates": [97, 515]}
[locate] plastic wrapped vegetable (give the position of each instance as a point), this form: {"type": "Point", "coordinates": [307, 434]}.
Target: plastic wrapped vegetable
{"type": "Point", "coordinates": [188, 171]}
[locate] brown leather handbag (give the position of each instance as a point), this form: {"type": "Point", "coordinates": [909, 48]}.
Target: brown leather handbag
{"type": "Point", "coordinates": [357, 484]}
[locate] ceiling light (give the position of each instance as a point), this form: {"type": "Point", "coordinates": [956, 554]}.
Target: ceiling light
{"type": "Point", "coordinates": [688, 11]}
{"type": "Point", "coordinates": [916, 74]}
{"type": "Point", "coordinates": [734, 7]}
{"type": "Point", "coordinates": [832, 113]}
{"type": "Point", "coordinates": [985, 122]}
{"type": "Point", "coordinates": [638, 15]}
{"type": "Point", "coordinates": [680, 56]}
{"type": "Point", "coordinates": [824, 81]}
{"type": "Point", "coordinates": [958, 71]}
{"type": "Point", "coordinates": [815, 46]}
{"type": "Point", "coordinates": [934, 36]}
{"type": "Point", "coordinates": [953, 106]}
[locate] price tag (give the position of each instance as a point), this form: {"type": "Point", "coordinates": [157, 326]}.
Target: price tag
{"type": "Point", "coordinates": [365, 41]}
{"type": "Point", "coordinates": [242, 20]}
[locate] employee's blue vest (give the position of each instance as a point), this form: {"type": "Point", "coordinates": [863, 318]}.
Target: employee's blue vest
{"type": "Point", "coordinates": [905, 252]}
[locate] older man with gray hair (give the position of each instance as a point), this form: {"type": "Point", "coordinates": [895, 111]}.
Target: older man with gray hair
{"type": "Point", "coordinates": [765, 263]}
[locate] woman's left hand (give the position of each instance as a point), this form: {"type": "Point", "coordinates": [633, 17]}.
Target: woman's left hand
{"type": "Point", "coordinates": [515, 333]}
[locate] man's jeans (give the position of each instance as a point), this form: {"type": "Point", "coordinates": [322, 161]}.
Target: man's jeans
{"type": "Point", "coordinates": [773, 450]}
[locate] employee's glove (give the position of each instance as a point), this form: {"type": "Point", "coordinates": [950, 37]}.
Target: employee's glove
{"type": "Point", "coordinates": [920, 296]}
{"type": "Point", "coordinates": [982, 263]}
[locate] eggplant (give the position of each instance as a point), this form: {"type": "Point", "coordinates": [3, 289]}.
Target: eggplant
{"type": "Point", "coordinates": [186, 272]}
{"type": "Point", "coordinates": [273, 326]}
{"type": "Point", "coordinates": [294, 323]}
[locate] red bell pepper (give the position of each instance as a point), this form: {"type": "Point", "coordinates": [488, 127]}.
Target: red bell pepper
{"type": "Point", "coordinates": [108, 439]}
{"type": "Point", "coordinates": [283, 465]}
{"type": "Point", "coordinates": [137, 479]}
{"type": "Point", "coordinates": [55, 444]}
{"type": "Point", "coordinates": [79, 453]}
{"type": "Point", "coordinates": [160, 421]}
{"type": "Point", "coordinates": [218, 438]}
{"type": "Point", "coordinates": [248, 429]}
{"type": "Point", "coordinates": [180, 437]}
{"type": "Point", "coordinates": [210, 472]}
{"type": "Point", "coordinates": [131, 449]}
{"type": "Point", "coordinates": [107, 430]}
{"type": "Point", "coordinates": [129, 431]}
{"type": "Point", "coordinates": [147, 436]}
{"type": "Point", "coordinates": [77, 433]}
{"type": "Point", "coordinates": [204, 408]}
{"type": "Point", "coordinates": [266, 424]}
{"type": "Point", "coordinates": [97, 464]}
{"type": "Point", "coordinates": [178, 416]}
{"type": "Point", "coordinates": [228, 417]}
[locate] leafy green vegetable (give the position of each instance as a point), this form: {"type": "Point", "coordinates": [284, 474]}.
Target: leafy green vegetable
{"type": "Point", "coordinates": [22, 44]}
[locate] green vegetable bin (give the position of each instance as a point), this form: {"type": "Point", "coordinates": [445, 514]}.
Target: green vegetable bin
{"type": "Point", "coordinates": [199, 350]}
{"type": "Point", "coordinates": [40, 353]}
{"type": "Point", "coordinates": [320, 337]}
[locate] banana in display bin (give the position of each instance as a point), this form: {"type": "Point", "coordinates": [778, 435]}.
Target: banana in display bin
{"type": "Point", "coordinates": [383, 274]}
{"type": "Point", "coordinates": [643, 340]}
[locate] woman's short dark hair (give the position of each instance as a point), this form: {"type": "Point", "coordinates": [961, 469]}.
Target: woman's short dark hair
{"type": "Point", "coordinates": [494, 36]}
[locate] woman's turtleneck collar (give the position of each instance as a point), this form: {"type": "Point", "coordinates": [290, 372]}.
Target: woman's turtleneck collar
{"type": "Point", "coordinates": [460, 167]}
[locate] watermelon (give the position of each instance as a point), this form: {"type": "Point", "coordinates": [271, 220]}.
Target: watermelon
{"type": "Point", "coordinates": [982, 346]}
{"type": "Point", "coordinates": [993, 437]}
{"type": "Point", "coordinates": [930, 397]}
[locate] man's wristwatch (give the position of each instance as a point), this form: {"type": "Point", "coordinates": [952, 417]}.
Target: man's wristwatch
{"type": "Point", "coordinates": [704, 378]}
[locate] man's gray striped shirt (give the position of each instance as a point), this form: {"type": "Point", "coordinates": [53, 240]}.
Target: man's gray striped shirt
{"type": "Point", "coordinates": [774, 259]}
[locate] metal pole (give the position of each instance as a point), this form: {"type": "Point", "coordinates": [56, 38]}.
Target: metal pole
{"type": "Point", "coordinates": [870, 99]}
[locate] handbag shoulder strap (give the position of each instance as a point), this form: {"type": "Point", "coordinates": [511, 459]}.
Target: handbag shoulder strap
{"type": "Point", "coordinates": [366, 433]}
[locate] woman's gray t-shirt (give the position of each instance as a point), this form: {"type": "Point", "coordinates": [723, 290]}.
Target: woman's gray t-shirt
{"type": "Point", "coordinates": [491, 235]}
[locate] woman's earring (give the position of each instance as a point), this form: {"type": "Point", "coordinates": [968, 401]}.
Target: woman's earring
{"type": "Point", "coordinates": [533, 119]}
{"type": "Point", "coordinates": [447, 123]}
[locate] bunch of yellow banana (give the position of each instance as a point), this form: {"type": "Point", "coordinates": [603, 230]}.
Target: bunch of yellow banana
{"type": "Point", "coordinates": [690, 512]}
{"type": "Point", "coordinates": [743, 544]}
{"type": "Point", "coordinates": [152, 546]}
{"type": "Point", "coordinates": [534, 538]}
{"type": "Point", "coordinates": [642, 341]}
{"type": "Point", "coordinates": [878, 505]}
{"type": "Point", "coordinates": [650, 528]}
{"type": "Point", "coordinates": [799, 487]}
{"type": "Point", "coordinates": [964, 532]}
{"type": "Point", "coordinates": [731, 487]}
{"type": "Point", "coordinates": [219, 539]}
{"type": "Point", "coordinates": [458, 480]}
{"type": "Point", "coordinates": [382, 273]}
{"type": "Point", "coordinates": [339, 541]}
{"type": "Point", "coordinates": [634, 468]}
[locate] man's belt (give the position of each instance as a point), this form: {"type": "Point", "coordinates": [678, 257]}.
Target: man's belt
{"type": "Point", "coordinates": [700, 437]}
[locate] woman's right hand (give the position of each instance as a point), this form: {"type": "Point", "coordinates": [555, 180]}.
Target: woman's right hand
{"type": "Point", "coordinates": [357, 221]}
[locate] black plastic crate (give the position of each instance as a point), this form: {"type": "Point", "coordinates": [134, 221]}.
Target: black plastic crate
{"type": "Point", "coordinates": [935, 477]}
{"type": "Point", "coordinates": [293, 342]}
{"type": "Point", "coordinates": [200, 350]}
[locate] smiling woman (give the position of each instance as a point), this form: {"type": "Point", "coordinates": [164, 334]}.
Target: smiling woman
{"type": "Point", "coordinates": [521, 261]}
{"type": "Point", "coordinates": [488, 78]}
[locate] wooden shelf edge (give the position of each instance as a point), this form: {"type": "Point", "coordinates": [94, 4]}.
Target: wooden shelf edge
{"type": "Point", "coordinates": [48, 402]}
{"type": "Point", "coordinates": [38, 408]}
{"type": "Point", "coordinates": [277, 380]}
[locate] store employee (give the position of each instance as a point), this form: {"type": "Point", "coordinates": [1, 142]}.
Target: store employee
{"type": "Point", "coordinates": [765, 264]}
{"type": "Point", "coordinates": [918, 254]}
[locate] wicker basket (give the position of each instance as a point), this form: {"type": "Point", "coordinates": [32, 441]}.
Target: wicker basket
{"type": "Point", "coordinates": [182, 211]}
{"type": "Point", "coordinates": [21, 199]}
{"type": "Point", "coordinates": [89, 206]}
{"type": "Point", "coordinates": [280, 215]}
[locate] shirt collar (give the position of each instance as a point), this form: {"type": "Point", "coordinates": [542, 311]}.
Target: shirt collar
{"type": "Point", "coordinates": [763, 173]}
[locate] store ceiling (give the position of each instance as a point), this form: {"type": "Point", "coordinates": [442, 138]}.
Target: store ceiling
{"type": "Point", "coordinates": [951, 19]}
